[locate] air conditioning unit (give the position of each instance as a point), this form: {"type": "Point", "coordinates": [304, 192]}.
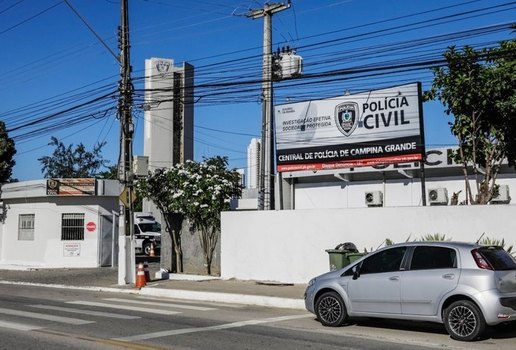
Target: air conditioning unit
{"type": "Point", "coordinates": [374, 198]}
{"type": "Point", "coordinates": [503, 196]}
{"type": "Point", "coordinates": [438, 196]}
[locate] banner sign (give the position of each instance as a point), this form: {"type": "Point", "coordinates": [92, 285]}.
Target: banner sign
{"type": "Point", "coordinates": [375, 127]}
{"type": "Point", "coordinates": [71, 187]}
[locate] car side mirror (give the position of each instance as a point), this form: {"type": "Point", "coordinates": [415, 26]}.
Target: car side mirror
{"type": "Point", "coordinates": [356, 272]}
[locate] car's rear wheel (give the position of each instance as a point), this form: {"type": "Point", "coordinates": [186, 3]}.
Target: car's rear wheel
{"type": "Point", "coordinates": [464, 320]}
{"type": "Point", "coordinates": [330, 309]}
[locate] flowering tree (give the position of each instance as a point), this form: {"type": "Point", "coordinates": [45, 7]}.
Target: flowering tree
{"type": "Point", "coordinates": [197, 192]}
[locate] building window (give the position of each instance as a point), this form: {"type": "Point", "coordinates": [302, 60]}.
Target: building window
{"type": "Point", "coordinates": [26, 227]}
{"type": "Point", "coordinates": [72, 227]}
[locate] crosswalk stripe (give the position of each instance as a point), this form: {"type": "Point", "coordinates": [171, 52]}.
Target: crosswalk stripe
{"type": "Point", "coordinates": [178, 306]}
{"type": "Point", "coordinates": [124, 307]}
{"type": "Point", "coordinates": [68, 320]}
{"type": "Point", "coordinates": [86, 312]}
{"type": "Point", "coordinates": [18, 326]}
{"type": "Point", "coordinates": [172, 332]}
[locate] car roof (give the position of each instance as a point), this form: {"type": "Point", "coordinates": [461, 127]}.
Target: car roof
{"type": "Point", "coordinates": [455, 244]}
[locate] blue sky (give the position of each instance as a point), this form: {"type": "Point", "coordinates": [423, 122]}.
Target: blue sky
{"type": "Point", "coordinates": [50, 62]}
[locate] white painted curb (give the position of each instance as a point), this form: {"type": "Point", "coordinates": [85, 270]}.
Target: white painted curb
{"type": "Point", "coordinates": [229, 298]}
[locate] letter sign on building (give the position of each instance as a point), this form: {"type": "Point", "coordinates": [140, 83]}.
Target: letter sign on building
{"type": "Point", "coordinates": [365, 129]}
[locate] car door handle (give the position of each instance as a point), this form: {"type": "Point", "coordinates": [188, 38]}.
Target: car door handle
{"type": "Point", "coordinates": [394, 278]}
{"type": "Point", "coordinates": [449, 276]}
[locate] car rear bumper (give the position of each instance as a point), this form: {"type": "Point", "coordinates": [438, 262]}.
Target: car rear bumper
{"type": "Point", "coordinates": [498, 307]}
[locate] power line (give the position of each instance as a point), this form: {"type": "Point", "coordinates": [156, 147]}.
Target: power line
{"type": "Point", "coordinates": [242, 88]}
{"type": "Point", "coordinates": [30, 18]}
{"type": "Point", "coordinates": [92, 30]}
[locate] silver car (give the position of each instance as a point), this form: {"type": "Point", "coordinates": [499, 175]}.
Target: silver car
{"type": "Point", "coordinates": [463, 285]}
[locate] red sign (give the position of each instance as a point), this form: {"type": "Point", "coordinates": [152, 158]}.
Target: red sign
{"type": "Point", "coordinates": [91, 226]}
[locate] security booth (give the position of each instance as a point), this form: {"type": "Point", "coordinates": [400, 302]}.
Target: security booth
{"type": "Point", "coordinates": [60, 223]}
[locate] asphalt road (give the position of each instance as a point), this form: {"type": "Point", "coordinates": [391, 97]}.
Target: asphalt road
{"type": "Point", "coordinates": [42, 318]}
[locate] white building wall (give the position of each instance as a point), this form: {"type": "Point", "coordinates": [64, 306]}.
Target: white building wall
{"type": "Point", "coordinates": [47, 249]}
{"type": "Point", "coordinates": [396, 193]}
{"type": "Point", "coordinates": [159, 107]}
{"type": "Point", "coordinates": [289, 246]}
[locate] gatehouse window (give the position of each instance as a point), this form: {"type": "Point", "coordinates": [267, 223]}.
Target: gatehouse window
{"type": "Point", "coordinates": [26, 227]}
{"type": "Point", "coordinates": [72, 227]}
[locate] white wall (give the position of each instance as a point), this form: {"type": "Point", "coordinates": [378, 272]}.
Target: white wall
{"type": "Point", "coordinates": [289, 245]}
{"type": "Point", "coordinates": [47, 249]}
{"type": "Point", "coordinates": [396, 193]}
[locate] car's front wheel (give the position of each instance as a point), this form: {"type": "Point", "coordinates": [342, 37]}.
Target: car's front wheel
{"type": "Point", "coordinates": [330, 310]}
{"type": "Point", "coordinates": [464, 320]}
{"type": "Point", "coordinates": [147, 248]}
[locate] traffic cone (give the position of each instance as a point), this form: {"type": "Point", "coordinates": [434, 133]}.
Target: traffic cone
{"type": "Point", "coordinates": [146, 270]}
{"type": "Point", "coordinates": [140, 277]}
{"type": "Point", "coordinates": [152, 254]}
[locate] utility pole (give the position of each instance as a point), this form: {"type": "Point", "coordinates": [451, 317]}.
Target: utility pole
{"type": "Point", "coordinates": [266, 180]}
{"type": "Point", "coordinates": [126, 254]}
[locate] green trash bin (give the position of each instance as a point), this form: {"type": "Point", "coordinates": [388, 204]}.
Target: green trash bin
{"type": "Point", "coordinates": [338, 258]}
{"type": "Point", "coordinates": [343, 255]}
{"type": "Point", "coordinates": [355, 256]}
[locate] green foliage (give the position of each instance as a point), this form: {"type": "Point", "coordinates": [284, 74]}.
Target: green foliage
{"type": "Point", "coordinates": [477, 87]}
{"type": "Point", "coordinates": [389, 241]}
{"type": "Point", "coordinates": [67, 162]}
{"type": "Point", "coordinates": [7, 152]}
{"type": "Point", "coordinates": [434, 237]}
{"type": "Point", "coordinates": [197, 191]}
{"type": "Point", "coordinates": [110, 174]}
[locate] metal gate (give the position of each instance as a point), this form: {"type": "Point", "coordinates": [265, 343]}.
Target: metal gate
{"type": "Point", "coordinates": [108, 247]}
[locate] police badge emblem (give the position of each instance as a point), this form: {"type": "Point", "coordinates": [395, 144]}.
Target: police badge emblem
{"type": "Point", "coordinates": [346, 117]}
{"type": "Point", "coordinates": [52, 187]}
{"type": "Point", "coordinates": [163, 67]}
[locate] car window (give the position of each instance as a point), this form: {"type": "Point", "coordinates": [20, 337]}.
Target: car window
{"type": "Point", "coordinates": [384, 261]}
{"type": "Point", "coordinates": [150, 227]}
{"type": "Point", "coordinates": [498, 258]}
{"type": "Point", "coordinates": [426, 258]}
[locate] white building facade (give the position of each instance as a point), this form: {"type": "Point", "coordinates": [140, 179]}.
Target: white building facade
{"type": "Point", "coordinates": [253, 163]}
{"type": "Point", "coordinates": [393, 185]}
{"type": "Point", "coordinates": [60, 223]}
{"type": "Point", "coordinates": [169, 113]}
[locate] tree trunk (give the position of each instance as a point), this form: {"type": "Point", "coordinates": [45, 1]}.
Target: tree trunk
{"type": "Point", "coordinates": [208, 238]}
{"type": "Point", "coordinates": [176, 235]}
{"type": "Point", "coordinates": [165, 261]}
{"type": "Point", "coordinates": [469, 195]}
{"type": "Point", "coordinates": [208, 264]}
{"type": "Point", "coordinates": [174, 222]}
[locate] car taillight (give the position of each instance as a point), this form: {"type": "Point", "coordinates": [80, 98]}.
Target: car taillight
{"type": "Point", "coordinates": [480, 260]}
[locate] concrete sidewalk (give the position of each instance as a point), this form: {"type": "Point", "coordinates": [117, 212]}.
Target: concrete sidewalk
{"type": "Point", "coordinates": [178, 286]}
